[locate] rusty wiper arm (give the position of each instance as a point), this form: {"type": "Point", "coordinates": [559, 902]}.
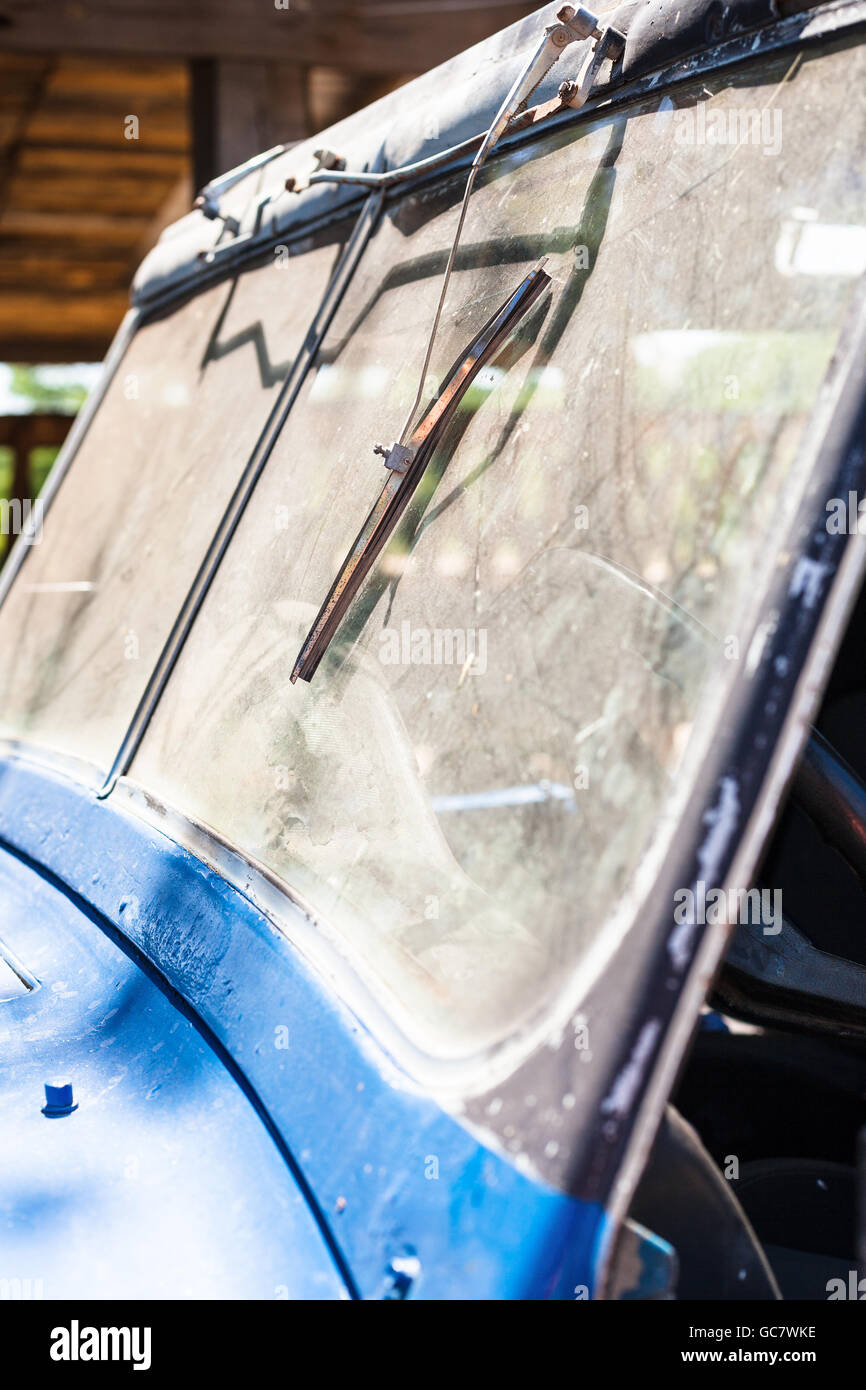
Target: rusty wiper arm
{"type": "Point", "coordinates": [406, 464]}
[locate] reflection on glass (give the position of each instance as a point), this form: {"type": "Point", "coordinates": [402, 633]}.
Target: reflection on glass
{"type": "Point", "coordinates": [533, 671]}
{"type": "Point", "coordinates": [87, 618]}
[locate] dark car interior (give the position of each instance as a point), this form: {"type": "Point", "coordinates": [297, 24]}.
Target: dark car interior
{"type": "Point", "coordinates": [754, 1175]}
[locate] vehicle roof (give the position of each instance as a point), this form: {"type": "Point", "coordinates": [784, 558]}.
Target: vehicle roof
{"type": "Point", "coordinates": [431, 114]}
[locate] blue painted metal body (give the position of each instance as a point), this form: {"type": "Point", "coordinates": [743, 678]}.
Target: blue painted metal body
{"type": "Point", "coordinates": [163, 1180]}
{"type": "Point", "coordinates": [238, 1132]}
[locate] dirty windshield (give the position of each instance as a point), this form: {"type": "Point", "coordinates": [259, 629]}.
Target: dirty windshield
{"type": "Point", "coordinates": [478, 785]}
{"type": "Point", "coordinates": [97, 597]}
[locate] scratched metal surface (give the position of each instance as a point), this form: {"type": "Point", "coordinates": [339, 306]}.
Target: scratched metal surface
{"type": "Point", "coordinates": [164, 1183]}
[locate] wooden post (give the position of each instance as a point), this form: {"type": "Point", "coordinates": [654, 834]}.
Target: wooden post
{"type": "Point", "coordinates": [22, 443]}
{"type": "Point", "coordinates": [241, 107]}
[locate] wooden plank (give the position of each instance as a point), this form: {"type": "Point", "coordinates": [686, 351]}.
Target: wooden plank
{"type": "Point", "coordinates": [40, 161]}
{"type": "Point", "coordinates": [62, 314]}
{"type": "Point", "coordinates": [364, 38]}
{"type": "Point", "coordinates": [131, 193]}
{"type": "Point", "coordinates": [94, 79]}
{"type": "Point", "coordinates": [15, 63]}
{"type": "Point", "coordinates": [17, 348]}
{"type": "Point", "coordinates": [95, 228]}
{"type": "Point", "coordinates": [41, 427]}
{"type": "Point", "coordinates": [22, 268]}
{"type": "Point", "coordinates": [17, 87]}
{"type": "Point", "coordinates": [10, 124]}
{"type": "Point", "coordinates": [52, 326]}
{"type": "Point", "coordinates": [74, 123]}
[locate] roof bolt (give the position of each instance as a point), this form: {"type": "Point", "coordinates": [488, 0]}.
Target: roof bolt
{"type": "Point", "coordinates": [326, 159]}
{"type": "Point", "coordinates": [58, 1101]}
{"type": "Point", "coordinates": [567, 90]}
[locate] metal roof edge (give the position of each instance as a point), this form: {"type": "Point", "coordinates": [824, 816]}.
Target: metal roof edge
{"type": "Point", "coordinates": [434, 112]}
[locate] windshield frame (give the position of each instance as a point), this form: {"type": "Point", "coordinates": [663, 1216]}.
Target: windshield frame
{"type": "Point", "coordinates": [810, 634]}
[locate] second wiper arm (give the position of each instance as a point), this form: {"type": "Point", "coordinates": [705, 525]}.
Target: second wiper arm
{"type": "Point", "coordinates": [406, 464]}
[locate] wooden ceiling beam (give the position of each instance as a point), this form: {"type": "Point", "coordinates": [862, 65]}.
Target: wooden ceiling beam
{"type": "Point", "coordinates": [17, 348]}
{"type": "Point", "coordinates": [23, 267]}
{"type": "Point", "coordinates": [82, 161]}
{"type": "Point", "coordinates": [55, 313]}
{"type": "Point", "coordinates": [41, 427]}
{"type": "Point", "coordinates": [361, 37]}
{"type": "Point", "coordinates": [67, 193]}
{"type": "Point", "coordinates": [82, 78]}
{"type": "Point", "coordinates": [95, 228]}
{"type": "Point", "coordinates": [55, 122]}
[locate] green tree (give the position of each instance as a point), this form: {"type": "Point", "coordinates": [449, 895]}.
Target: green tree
{"type": "Point", "coordinates": [28, 382]}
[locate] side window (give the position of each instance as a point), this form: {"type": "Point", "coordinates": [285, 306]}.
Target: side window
{"type": "Point", "coordinates": [489, 760]}
{"type": "Point", "coordinates": [85, 621]}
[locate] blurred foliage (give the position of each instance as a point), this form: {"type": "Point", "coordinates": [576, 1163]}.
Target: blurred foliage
{"type": "Point", "coordinates": [30, 383]}
{"type": "Point", "coordinates": [736, 373]}
{"type": "Point", "coordinates": [41, 462]}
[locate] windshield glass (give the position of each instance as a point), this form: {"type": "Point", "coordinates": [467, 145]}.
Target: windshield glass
{"type": "Point", "coordinates": [483, 767]}
{"type": "Point", "coordinates": [87, 617]}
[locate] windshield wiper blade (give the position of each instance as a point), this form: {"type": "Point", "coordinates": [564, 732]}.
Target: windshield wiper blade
{"type": "Point", "coordinates": [408, 460]}
{"type": "Point", "coordinates": [406, 464]}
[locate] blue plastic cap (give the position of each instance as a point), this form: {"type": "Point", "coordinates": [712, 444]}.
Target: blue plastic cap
{"type": "Point", "coordinates": [58, 1097]}
{"type": "Point", "coordinates": [58, 1100]}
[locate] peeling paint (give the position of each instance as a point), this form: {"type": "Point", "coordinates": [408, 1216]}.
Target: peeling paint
{"type": "Point", "coordinates": [623, 1093]}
